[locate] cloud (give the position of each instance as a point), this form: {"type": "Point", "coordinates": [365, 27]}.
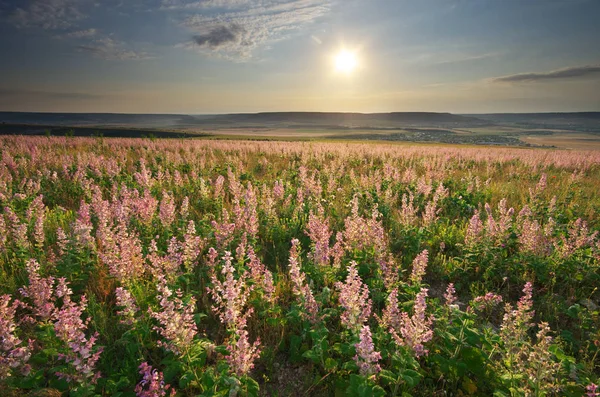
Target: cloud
{"type": "Point", "coordinates": [566, 73]}
{"type": "Point", "coordinates": [219, 36]}
{"type": "Point", "coordinates": [48, 14]}
{"type": "Point", "coordinates": [242, 27]}
{"type": "Point", "coordinates": [112, 50]}
{"type": "Point", "coordinates": [79, 34]}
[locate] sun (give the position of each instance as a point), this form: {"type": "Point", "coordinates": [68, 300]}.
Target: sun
{"type": "Point", "coordinates": [345, 61]}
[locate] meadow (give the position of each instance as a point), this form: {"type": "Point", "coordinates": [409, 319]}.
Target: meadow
{"type": "Point", "coordinates": [196, 267]}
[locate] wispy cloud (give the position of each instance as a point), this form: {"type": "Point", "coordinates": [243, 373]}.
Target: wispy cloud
{"type": "Point", "coordinates": [112, 50]}
{"type": "Point", "coordinates": [79, 34]}
{"type": "Point", "coordinates": [566, 73]}
{"type": "Point", "coordinates": [47, 14]}
{"type": "Point", "coordinates": [241, 27]}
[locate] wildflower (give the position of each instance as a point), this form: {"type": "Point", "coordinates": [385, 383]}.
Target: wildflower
{"type": "Point", "coordinates": [82, 230]}
{"type": "Point", "coordinates": [299, 288]}
{"type": "Point", "coordinates": [39, 291]}
{"type": "Point", "coordinates": [176, 319]}
{"type": "Point", "coordinates": [230, 295]}
{"type": "Point", "coordinates": [122, 252]}
{"type": "Point", "coordinates": [192, 246]}
{"type": "Point", "coordinates": [223, 231]}
{"type": "Point", "coordinates": [419, 266]}
{"type": "Point", "coordinates": [152, 383]}
{"type": "Point", "coordinates": [592, 390]}
{"type": "Point", "coordinates": [413, 331]}
{"type": "Point", "coordinates": [218, 186]}
{"type": "Point", "coordinates": [516, 322]}
{"type": "Point", "coordinates": [474, 230]}
{"type": "Point", "coordinates": [70, 329]}
{"type": "Point", "coordinates": [127, 303]}
{"type": "Point", "coordinates": [146, 206]}
{"type": "Point", "coordinates": [36, 212]}
{"type": "Point", "coordinates": [354, 298]}
{"type": "Point", "coordinates": [12, 353]}
{"type": "Point", "coordinates": [361, 233]}
{"type": "Point", "coordinates": [408, 212]}
{"type": "Point", "coordinates": [18, 230]}
{"type": "Point", "coordinates": [261, 275]}
{"type": "Point", "coordinates": [486, 302]}
{"type": "Point", "coordinates": [391, 314]}
{"type": "Point", "coordinates": [242, 354]}
{"type": "Point", "coordinates": [278, 190]}
{"type": "Point", "coordinates": [319, 233]}
{"type": "Point", "coordinates": [450, 295]}
{"type": "Point", "coordinates": [366, 357]}
{"type": "Point", "coordinates": [166, 211]}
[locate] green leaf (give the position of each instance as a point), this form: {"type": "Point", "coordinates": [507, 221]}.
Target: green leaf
{"type": "Point", "coordinates": [330, 364]}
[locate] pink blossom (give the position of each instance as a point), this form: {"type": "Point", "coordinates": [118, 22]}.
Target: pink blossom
{"type": "Point", "coordinates": [416, 330]}
{"type": "Point", "coordinates": [419, 266]}
{"type": "Point", "coordinates": [39, 291]}
{"type": "Point", "coordinates": [366, 357]}
{"type": "Point", "coordinates": [13, 354]}
{"type": "Point", "coordinates": [152, 383]}
{"type": "Point", "coordinates": [242, 354]}
{"type": "Point", "coordinates": [166, 212]}
{"type": "Point", "coordinates": [319, 233]}
{"type": "Point", "coordinates": [128, 307]}
{"type": "Point", "coordinates": [450, 295]}
{"type": "Point", "coordinates": [300, 289]}
{"type": "Point", "coordinates": [177, 325]}
{"type": "Point", "coordinates": [354, 298]}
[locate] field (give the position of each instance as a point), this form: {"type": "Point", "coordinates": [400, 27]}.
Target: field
{"type": "Point", "coordinates": [188, 267]}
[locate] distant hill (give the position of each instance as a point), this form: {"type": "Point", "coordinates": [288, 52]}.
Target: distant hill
{"type": "Point", "coordinates": [244, 120]}
{"type": "Point", "coordinates": [580, 121]}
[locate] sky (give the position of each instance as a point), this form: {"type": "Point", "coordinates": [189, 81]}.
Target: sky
{"type": "Point", "coordinates": [227, 56]}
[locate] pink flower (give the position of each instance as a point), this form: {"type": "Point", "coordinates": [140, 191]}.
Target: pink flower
{"type": "Point", "coordinates": [230, 295]}
{"type": "Point", "coordinates": [177, 325]}
{"type": "Point", "coordinates": [450, 295]}
{"type": "Point", "coordinates": [39, 291]}
{"type": "Point", "coordinates": [354, 298]}
{"type": "Point", "coordinates": [152, 383]}
{"type": "Point", "coordinates": [319, 233]}
{"type": "Point", "coordinates": [12, 353]}
{"type": "Point", "coordinates": [592, 390]}
{"type": "Point", "coordinates": [167, 209]}
{"type": "Point", "coordinates": [419, 266]}
{"type": "Point", "coordinates": [127, 303]}
{"type": "Point", "coordinates": [413, 331]}
{"type": "Point", "coordinates": [366, 357]}
{"type": "Point", "coordinates": [300, 289]}
{"type": "Point", "coordinates": [242, 354]}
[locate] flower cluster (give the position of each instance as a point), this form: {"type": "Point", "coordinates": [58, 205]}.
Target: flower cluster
{"type": "Point", "coordinates": [70, 329]}
{"type": "Point", "coordinates": [176, 318]}
{"type": "Point", "coordinates": [152, 383]}
{"type": "Point", "coordinates": [128, 307]}
{"type": "Point", "coordinates": [354, 298]}
{"type": "Point", "coordinates": [12, 352]}
{"type": "Point", "coordinates": [366, 357]}
{"type": "Point", "coordinates": [413, 331]}
{"type": "Point", "coordinates": [487, 302]}
{"type": "Point", "coordinates": [300, 289]}
{"type": "Point", "coordinates": [230, 296]}
{"type": "Point", "coordinates": [419, 266]}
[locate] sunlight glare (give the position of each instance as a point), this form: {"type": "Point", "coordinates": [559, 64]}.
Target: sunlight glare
{"type": "Point", "coordinates": [345, 61]}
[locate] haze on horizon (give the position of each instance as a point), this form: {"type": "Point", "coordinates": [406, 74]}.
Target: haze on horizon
{"type": "Point", "coordinates": [229, 56]}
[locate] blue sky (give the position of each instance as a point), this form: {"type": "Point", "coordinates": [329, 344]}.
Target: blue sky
{"type": "Point", "coordinates": [219, 56]}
